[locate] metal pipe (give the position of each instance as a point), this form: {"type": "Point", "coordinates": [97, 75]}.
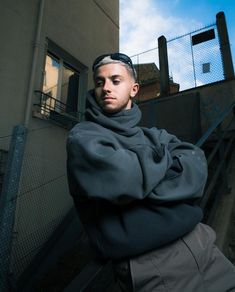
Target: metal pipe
{"type": "Point", "coordinates": [34, 63]}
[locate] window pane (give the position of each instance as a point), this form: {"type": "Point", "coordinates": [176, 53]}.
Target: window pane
{"type": "Point", "coordinates": [60, 86]}
{"type": "Point", "coordinates": [69, 88]}
{"type": "Point", "coordinates": [50, 84]}
{"type": "Point", "coordinates": [51, 75]}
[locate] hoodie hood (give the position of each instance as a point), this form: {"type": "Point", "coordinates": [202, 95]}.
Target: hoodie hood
{"type": "Point", "coordinates": [129, 182]}
{"type": "Point", "coordinates": [124, 122]}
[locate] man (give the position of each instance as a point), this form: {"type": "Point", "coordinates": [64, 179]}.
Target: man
{"type": "Point", "coordinates": [136, 192]}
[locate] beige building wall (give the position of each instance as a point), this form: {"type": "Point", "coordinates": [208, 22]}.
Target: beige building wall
{"type": "Point", "coordinates": [83, 29]}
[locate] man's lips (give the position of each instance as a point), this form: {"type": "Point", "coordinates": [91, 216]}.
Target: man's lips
{"type": "Point", "coordinates": [107, 98]}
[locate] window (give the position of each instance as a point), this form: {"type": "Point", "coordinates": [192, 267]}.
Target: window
{"type": "Point", "coordinates": [206, 67]}
{"type": "Point", "coordinates": [60, 85]}
{"type": "Point", "coordinates": [64, 84]}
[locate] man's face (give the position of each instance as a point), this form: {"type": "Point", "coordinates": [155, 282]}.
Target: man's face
{"type": "Point", "coordinates": [114, 87]}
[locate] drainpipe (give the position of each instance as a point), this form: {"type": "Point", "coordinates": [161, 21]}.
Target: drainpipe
{"type": "Point", "coordinates": [13, 171]}
{"type": "Point", "coordinates": [30, 91]}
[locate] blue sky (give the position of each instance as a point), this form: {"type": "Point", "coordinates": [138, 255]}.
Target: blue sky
{"type": "Point", "coordinates": [142, 22]}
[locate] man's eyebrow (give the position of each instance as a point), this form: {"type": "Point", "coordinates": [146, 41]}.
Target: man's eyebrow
{"type": "Point", "coordinates": [116, 75]}
{"type": "Point", "coordinates": [111, 77]}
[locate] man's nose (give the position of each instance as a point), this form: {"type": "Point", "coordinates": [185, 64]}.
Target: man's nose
{"type": "Point", "coordinates": [107, 86]}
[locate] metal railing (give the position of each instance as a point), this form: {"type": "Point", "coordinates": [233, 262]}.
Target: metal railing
{"type": "Point", "coordinates": [57, 111]}
{"type": "Point", "coordinates": [8, 198]}
{"type": "Point", "coordinates": [201, 63]}
{"type": "Point", "coordinates": [217, 143]}
{"type": "Point", "coordinates": [34, 203]}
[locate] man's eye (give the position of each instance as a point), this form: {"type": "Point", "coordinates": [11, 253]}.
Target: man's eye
{"type": "Point", "coordinates": [116, 81]}
{"type": "Point", "coordinates": [99, 83]}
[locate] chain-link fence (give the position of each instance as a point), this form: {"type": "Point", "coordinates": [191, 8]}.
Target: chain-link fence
{"type": "Point", "coordinates": [43, 201]}
{"type": "Point", "coordinates": [194, 60]}
{"type": "Point", "coordinates": [11, 161]}
{"type": "Point", "coordinates": [147, 57]}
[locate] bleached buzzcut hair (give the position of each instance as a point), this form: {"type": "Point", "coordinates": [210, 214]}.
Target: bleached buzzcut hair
{"type": "Point", "coordinates": [108, 60]}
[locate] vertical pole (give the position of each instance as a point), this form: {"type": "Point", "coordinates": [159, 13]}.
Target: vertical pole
{"type": "Point", "coordinates": [138, 76]}
{"type": "Point", "coordinates": [28, 107]}
{"type": "Point", "coordinates": [194, 72]}
{"type": "Point", "coordinates": [164, 68]}
{"type": "Point", "coordinates": [224, 46]}
{"type": "Point", "coordinates": [8, 201]}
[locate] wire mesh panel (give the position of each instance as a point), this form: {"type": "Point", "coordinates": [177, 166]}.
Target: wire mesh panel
{"type": "Point", "coordinates": [150, 56]}
{"type": "Point", "coordinates": [147, 68]}
{"type": "Point", "coordinates": [7, 207]}
{"type": "Point", "coordinates": [195, 58]}
{"type": "Point", "coordinates": [181, 62]}
{"type": "Point", "coordinates": [207, 58]}
{"type": "Point", "coordinates": [43, 199]}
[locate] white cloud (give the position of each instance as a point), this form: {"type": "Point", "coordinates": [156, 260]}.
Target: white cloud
{"type": "Point", "coordinates": [143, 22]}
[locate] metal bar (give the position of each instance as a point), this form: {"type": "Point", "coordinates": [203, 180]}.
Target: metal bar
{"type": "Point", "coordinates": [8, 201]}
{"type": "Point", "coordinates": [96, 276]}
{"type": "Point", "coordinates": [215, 149]}
{"type": "Point", "coordinates": [164, 68]}
{"type": "Point", "coordinates": [223, 153]}
{"type": "Point", "coordinates": [225, 46]}
{"type": "Point", "coordinates": [194, 31]}
{"type": "Point", "coordinates": [220, 119]}
{"type": "Point", "coordinates": [60, 103]}
{"type": "Point", "coordinates": [209, 189]}
{"type": "Point", "coordinates": [31, 81]}
{"type": "Point", "coordinates": [194, 72]}
{"type": "Point", "coordinates": [213, 181]}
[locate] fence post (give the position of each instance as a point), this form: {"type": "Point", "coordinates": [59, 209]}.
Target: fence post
{"type": "Point", "coordinates": [164, 69]}
{"type": "Point", "coordinates": [8, 202]}
{"type": "Point", "coordinates": [224, 46]}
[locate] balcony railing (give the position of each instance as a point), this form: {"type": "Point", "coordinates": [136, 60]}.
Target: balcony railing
{"type": "Point", "coordinates": [57, 111]}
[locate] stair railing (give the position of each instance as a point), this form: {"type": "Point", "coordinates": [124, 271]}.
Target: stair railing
{"type": "Point", "coordinates": [217, 142]}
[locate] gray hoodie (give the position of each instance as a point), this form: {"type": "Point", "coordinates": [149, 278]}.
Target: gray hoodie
{"type": "Point", "coordinates": [130, 177]}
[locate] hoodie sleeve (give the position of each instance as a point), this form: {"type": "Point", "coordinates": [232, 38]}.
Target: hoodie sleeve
{"type": "Point", "coordinates": [187, 176]}
{"type": "Point", "coordinates": [98, 169]}
{"type": "Point", "coordinates": [168, 171]}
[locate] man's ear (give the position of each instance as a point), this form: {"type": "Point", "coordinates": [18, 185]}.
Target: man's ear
{"type": "Point", "coordinates": [135, 89]}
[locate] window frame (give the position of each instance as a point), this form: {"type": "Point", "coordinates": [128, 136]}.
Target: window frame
{"type": "Point", "coordinates": [66, 59]}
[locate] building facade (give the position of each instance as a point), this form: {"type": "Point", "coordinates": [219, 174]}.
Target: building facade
{"type": "Point", "coordinates": [149, 80]}
{"type": "Point", "coordinates": [46, 54]}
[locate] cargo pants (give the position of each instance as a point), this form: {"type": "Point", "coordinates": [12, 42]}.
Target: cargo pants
{"type": "Point", "coordinates": [190, 264]}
